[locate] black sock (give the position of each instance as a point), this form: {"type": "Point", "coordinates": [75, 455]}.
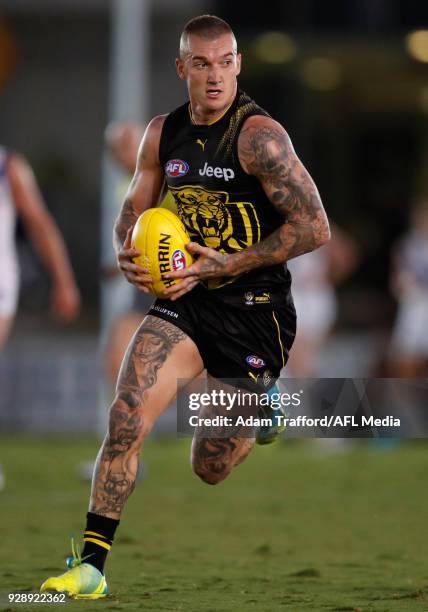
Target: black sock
{"type": "Point", "coordinates": [98, 537]}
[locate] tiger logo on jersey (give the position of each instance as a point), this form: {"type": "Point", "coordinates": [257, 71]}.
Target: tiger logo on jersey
{"type": "Point", "coordinates": [222, 225]}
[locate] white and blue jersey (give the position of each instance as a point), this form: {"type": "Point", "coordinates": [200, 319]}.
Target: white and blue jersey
{"type": "Point", "coordinates": [9, 271]}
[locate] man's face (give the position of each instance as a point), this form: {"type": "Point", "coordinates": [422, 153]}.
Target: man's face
{"type": "Point", "coordinates": [210, 68]}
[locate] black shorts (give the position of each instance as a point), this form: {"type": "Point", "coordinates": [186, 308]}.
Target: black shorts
{"type": "Point", "coordinates": [243, 336]}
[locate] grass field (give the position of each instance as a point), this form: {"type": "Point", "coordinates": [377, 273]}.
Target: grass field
{"type": "Point", "coordinates": [289, 530]}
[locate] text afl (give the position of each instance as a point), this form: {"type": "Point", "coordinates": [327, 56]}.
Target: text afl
{"type": "Point", "coordinates": [176, 168]}
{"type": "Point", "coordinates": [255, 362]}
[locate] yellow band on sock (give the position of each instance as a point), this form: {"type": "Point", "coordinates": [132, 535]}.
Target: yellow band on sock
{"type": "Point", "coordinates": [103, 544]}
{"type": "Point", "coordinates": [94, 533]}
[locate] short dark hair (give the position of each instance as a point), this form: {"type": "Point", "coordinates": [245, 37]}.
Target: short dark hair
{"type": "Point", "coordinates": [205, 26]}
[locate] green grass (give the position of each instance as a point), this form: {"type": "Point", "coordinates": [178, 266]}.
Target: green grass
{"type": "Point", "coordinates": [289, 530]}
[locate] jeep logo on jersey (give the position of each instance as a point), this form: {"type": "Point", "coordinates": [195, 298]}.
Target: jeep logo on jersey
{"type": "Point", "coordinates": [225, 173]}
{"type": "Point", "coordinates": [178, 260]}
{"type": "Point", "coordinates": [176, 167]}
{"type": "Point", "coordinates": [255, 362]}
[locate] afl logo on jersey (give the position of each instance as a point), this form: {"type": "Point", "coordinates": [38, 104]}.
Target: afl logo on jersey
{"type": "Point", "coordinates": [178, 260]}
{"type": "Point", "coordinates": [176, 167]}
{"type": "Point", "coordinates": [255, 362]}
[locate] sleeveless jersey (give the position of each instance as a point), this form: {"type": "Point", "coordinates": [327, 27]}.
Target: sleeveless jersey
{"type": "Point", "coordinates": [221, 206]}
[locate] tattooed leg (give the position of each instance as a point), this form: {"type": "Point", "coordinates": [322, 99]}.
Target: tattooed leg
{"type": "Point", "coordinates": [217, 450]}
{"type": "Point", "coordinates": [214, 458]}
{"type": "Point", "coordinates": [158, 354]}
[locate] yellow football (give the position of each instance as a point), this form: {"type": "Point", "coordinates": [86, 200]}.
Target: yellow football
{"type": "Point", "coordinates": [161, 238]}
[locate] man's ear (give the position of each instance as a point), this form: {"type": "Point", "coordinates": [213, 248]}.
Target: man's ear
{"type": "Point", "coordinates": [238, 63]}
{"type": "Point", "coordinates": [179, 65]}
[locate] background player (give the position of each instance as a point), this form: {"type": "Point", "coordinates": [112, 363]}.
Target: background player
{"type": "Point", "coordinates": [279, 216]}
{"type": "Point", "coordinates": [409, 346]}
{"type": "Point", "coordinates": [122, 140]}
{"type": "Point", "coordinates": [315, 278]}
{"type": "Point", "coordinates": [19, 195]}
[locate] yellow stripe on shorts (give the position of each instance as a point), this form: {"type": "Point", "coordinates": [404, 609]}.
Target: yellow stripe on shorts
{"type": "Point", "coordinates": [279, 338]}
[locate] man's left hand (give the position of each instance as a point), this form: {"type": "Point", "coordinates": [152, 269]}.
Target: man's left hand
{"type": "Point", "coordinates": [210, 264]}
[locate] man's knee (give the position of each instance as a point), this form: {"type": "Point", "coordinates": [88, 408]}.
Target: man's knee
{"type": "Point", "coordinates": [210, 471]}
{"type": "Point", "coordinates": [213, 459]}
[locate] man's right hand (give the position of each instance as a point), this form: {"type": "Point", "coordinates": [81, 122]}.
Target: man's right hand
{"type": "Point", "coordinates": [134, 274]}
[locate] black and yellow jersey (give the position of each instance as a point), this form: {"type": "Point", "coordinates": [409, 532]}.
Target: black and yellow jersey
{"type": "Point", "coordinates": [221, 206]}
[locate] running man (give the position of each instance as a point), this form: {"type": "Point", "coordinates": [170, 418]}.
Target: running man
{"type": "Point", "coordinates": [249, 205]}
{"type": "Point", "coordinates": [19, 195]}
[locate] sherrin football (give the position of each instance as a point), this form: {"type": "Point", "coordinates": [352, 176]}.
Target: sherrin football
{"type": "Point", "coordinates": [161, 237]}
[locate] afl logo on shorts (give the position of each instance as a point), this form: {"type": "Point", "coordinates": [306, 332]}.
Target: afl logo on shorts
{"type": "Point", "coordinates": [178, 260]}
{"type": "Point", "coordinates": [255, 362]}
{"type": "Point", "coordinates": [176, 167]}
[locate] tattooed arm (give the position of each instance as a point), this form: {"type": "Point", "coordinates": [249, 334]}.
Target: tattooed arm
{"type": "Point", "coordinates": [143, 192]}
{"type": "Point", "coordinates": [265, 151]}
